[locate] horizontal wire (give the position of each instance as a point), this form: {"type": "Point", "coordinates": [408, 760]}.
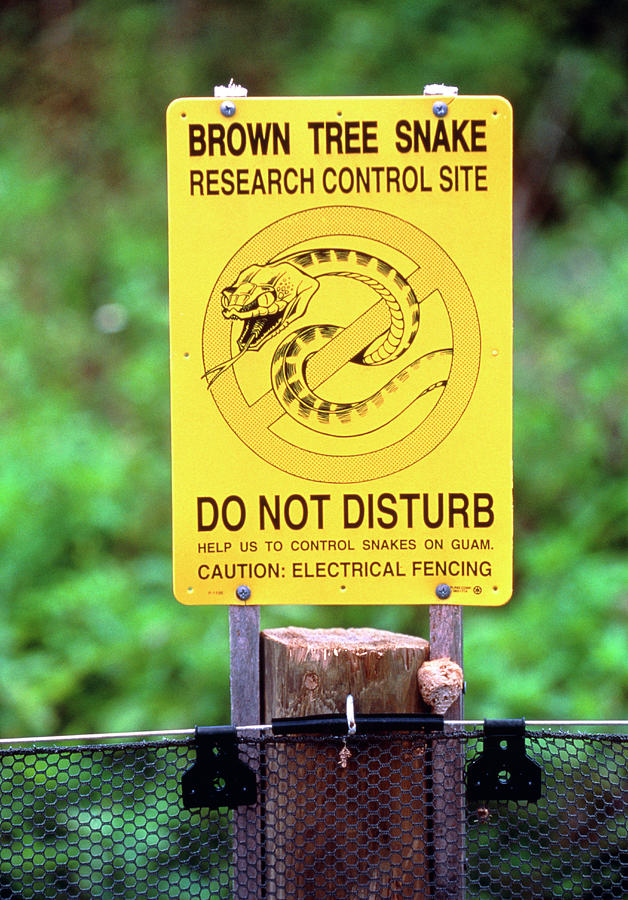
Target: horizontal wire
{"type": "Point", "coordinates": [622, 723]}
{"type": "Point", "coordinates": [56, 738]}
{"type": "Point", "coordinates": [95, 737]}
{"type": "Point", "coordinates": [479, 722]}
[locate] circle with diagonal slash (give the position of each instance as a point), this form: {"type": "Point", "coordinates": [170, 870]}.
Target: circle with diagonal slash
{"type": "Point", "coordinates": [256, 417]}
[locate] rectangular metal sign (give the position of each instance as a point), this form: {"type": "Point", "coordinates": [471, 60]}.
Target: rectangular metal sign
{"type": "Point", "coordinates": [341, 359]}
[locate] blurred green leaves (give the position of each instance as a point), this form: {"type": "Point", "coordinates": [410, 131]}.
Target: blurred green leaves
{"type": "Point", "coordinates": [90, 637]}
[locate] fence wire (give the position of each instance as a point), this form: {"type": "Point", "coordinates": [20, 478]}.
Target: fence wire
{"type": "Point", "coordinates": [369, 817]}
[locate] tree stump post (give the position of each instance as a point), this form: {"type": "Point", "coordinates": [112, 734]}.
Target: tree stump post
{"type": "Point", "coordinates": [352, 821]}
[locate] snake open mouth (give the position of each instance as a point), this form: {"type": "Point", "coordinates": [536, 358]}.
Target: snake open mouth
{"type": "Point", "coordinates": [266, 299]}
{"type": "Point", "coordinates": [260, 310]}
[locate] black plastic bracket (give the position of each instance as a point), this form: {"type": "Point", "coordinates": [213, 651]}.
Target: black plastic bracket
{"type": "Point", "coordinates": [369, 723]}
{"type": "Point", "coordinates": [503, 771]}
{"type": "Point", "coordinates": [218, 778]}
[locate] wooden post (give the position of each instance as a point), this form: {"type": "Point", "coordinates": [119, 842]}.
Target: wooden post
{"type": "Point", "coordinates": [346, 822]}
{"type": "Point", "coordinates": [448, 767]}
{"type": "Point", "coordinates": [244, 623]}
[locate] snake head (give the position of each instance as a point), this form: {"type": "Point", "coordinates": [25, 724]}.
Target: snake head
{"type": "Point", "coordinates": [266, 299]}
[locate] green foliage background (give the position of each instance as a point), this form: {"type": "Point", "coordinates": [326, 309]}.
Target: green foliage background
{"type": "Point", "coordinates": [90, 637]}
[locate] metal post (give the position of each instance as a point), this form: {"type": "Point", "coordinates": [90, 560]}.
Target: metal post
{"type": "Point", "coordinates": [244, 625]}
{"type": "Point", "coordinates": [448, 768]}
{"type": "Point", "coordinates": [244, 640]}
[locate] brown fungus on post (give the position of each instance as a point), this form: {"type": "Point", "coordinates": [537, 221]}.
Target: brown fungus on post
{"type": "Point", "coordinates": [440, 684]}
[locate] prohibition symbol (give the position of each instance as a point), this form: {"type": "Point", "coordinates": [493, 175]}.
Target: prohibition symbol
{"type": "Point", "coordinates": [341, 344]}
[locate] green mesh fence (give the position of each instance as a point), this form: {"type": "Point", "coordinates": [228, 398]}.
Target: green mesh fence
{"type": "Point", "coordinates": [369, 817]}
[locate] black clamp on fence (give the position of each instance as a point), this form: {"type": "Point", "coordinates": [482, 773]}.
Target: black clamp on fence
{"type": "Point", "coordinates": [218, 778]}
{"type": "Point", "coordinates": [503, 771]}
{"type": "Point", "coordinates": [372, 723]}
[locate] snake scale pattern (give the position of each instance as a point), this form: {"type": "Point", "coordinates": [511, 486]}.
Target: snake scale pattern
{"type": "Point", "coordinates": [269, 299]}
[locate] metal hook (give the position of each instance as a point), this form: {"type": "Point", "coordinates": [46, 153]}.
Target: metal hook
{"type": "Point", "coordinates": [352, 727]}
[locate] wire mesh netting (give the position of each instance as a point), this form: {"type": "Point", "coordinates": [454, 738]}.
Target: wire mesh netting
{"type": "Point", "coordinates": [369, 817]}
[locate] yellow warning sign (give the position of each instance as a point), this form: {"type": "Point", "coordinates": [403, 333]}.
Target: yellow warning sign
{"type": "Point", "coordinates": [341, 349]}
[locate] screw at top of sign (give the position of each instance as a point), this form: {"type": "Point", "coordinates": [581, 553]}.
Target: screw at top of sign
{"type": "Point", "coordinates": [243, 592]}
{"type": "Point", "coordinates": [440, 108]}
{"type": "Point", "coordinates": [228, 108]}
{"type": "Point", "coordinates": [443, 591]}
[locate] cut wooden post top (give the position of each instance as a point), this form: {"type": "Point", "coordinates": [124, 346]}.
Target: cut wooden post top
{"type": "Point", "coordinates": [313, 641]}
{"type": "Point", "coordinates": [311, 671]}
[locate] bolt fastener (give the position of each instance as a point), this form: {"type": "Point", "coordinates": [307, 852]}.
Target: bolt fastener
{"type": "Point", "coordinates": [243, 592]}
{"type": "Point", "coordinates": [443, 591]}
{"type": "Point", "coordinates": [228, 108]}
{"type": "Point", "coordinates": [440, 108]}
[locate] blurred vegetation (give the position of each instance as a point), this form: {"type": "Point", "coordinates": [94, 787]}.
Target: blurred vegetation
{"type": "Point", "coordinates": [90, 637]}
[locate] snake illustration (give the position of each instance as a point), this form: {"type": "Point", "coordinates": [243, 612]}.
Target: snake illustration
{"type": "Point", "coordinates": [269, 299]}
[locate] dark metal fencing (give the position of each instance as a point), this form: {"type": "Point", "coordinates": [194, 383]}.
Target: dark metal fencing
{"type": "Point", "coordinates": [366, 817]}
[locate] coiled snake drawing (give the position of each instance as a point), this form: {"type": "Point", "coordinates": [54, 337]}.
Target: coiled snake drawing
{"type": "Point", "coordinates": [268, 299]}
